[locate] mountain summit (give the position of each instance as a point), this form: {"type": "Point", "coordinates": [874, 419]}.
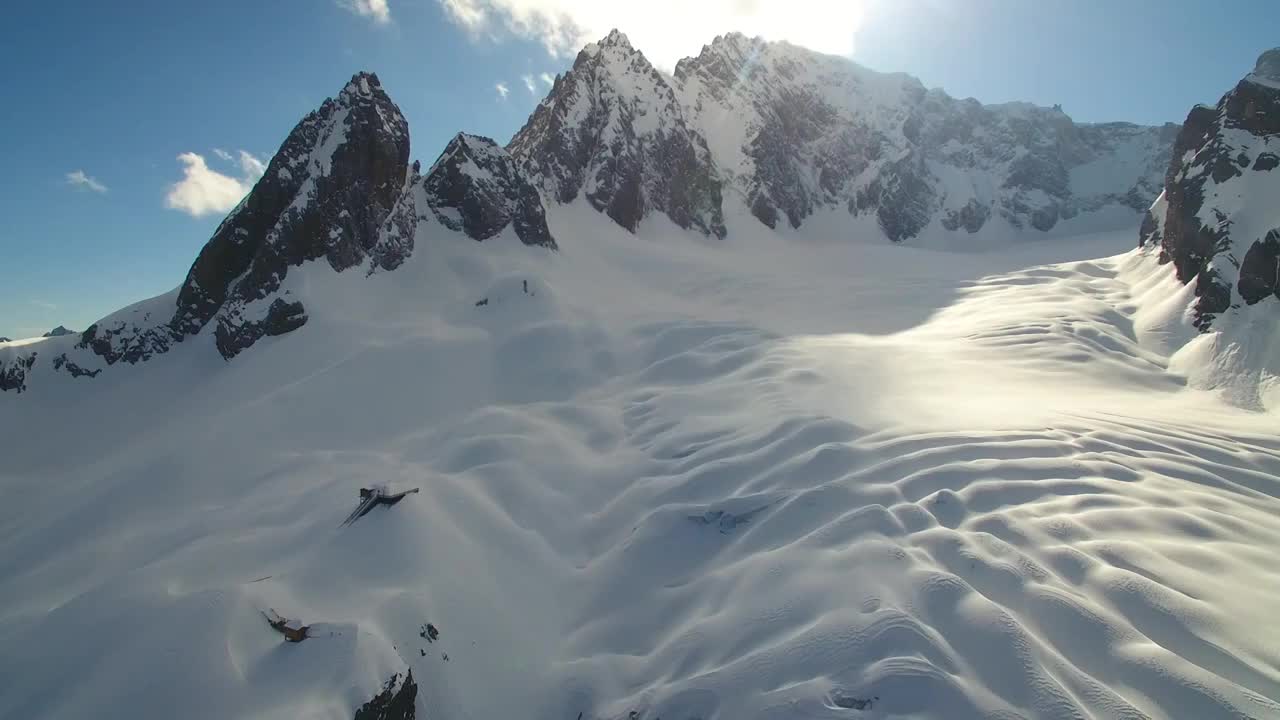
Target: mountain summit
{"type": "Point", "coordinates": [799, 132]}
{"type": "Point", "coordinates": [613, 130]}
{"type": "Point", "coordinates": [747, 133]}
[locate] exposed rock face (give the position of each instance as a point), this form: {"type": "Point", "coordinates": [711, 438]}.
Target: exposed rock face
{"type": "Point", "coordinates": [58, 332]}
{"type": "Point", "coordinates": [13, 373]}
{"type": "Point", "coordinates": [612, 130]}
{"type": "Point", "coordinates": [397, 701]}
{"type": "Point", "coordinates": [325, 195]}
{"type": "Point", "coordinates": [796, 131]}
{"type": "Point", "coordinates": [339, 191]}
{"type": "Point", "coordinates": [1218, 220]}
{"type": "Point", "coordinates": [476, 188]}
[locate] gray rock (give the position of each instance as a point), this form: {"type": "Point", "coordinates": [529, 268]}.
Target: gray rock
{"type": "Point", "coordinates": [13, 374]}
{"type": "Point", "coordinates": [1260, 270]}
{"type": "Point", "coordinates": [476, 188]}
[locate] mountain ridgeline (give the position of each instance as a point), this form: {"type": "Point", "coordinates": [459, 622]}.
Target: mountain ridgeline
{"type": "Point", "coordinates": [748, 131]}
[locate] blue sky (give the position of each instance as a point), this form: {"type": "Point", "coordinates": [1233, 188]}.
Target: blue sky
{"type": "Point", "coordinates": [117, 91]}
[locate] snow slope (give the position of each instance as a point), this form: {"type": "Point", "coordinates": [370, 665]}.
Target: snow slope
{"type": "Point", "coordinates": [661, 475]}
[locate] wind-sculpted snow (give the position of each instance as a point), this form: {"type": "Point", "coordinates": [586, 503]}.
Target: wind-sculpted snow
{"type": "Point", "coordinates": [657, 480]}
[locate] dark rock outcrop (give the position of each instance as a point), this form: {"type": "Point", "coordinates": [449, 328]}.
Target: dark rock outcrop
{"type": "Point", "coordinates": [13, 372]}
{"type": "Point", "coordinates": [1260, 270]}
{"type": "Point", "coordinates": [62, 363]}
{"type": "Point", "coordinates": [612, 130]}
{"type": "Point", "coordinates": [1228, 249]}
{"type": "Point", "coordinates": [396, 701]}
{"type": "Point", "coordinates": [58, 332]}
{"type": "Point", "coordinates": [476, 188]}
{"type": "Point", "coordinates": [235, 334]}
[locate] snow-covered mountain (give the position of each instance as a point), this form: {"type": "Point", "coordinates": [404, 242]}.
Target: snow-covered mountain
{"type": "Point", "coordinates": [1217, 222]}
{"type": "Point", "coordinates": [613, 130]}
{"type": "Point", "coordinates": [339, 192]}
{"type": "Point", "coordinates": [768, 129]}
{"type": "Point", "coordinates": [791, 132]}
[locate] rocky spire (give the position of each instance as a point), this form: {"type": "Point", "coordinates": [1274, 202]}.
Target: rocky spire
{"type": "Point", "coordinates": [325, 195]}
{"type": "Point", "coordinates": [612, 130]}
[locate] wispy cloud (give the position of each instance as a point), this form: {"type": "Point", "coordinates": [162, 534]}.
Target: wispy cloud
{"type": "Point", "coordinates": [203, 190]}
{"type": "Point", "coordinates": [44, 305]}
{"type": "Point", "coordinates": [548, 78]}
{"type": "Point", "coordinates": [564, 26]}
{"type": "Point", "coordinates": [78, 178]}
{"type": "Point", "coordinates": [503, 90]}
{"type": "Point", "coordinates": [530, 84]}
{"type": "Point", "coordinates": [223, 154]}
{"type": "Point", "coordinates": [376, 10]}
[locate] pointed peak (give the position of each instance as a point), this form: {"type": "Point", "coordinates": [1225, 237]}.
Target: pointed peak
{"type": "Point", "coordinates": [616, 41]}
{"type": "Point", "coordinates": [470, 144]}
{"type": "Point", "coordinates": [363, 84]}
{"type": "Point", "coordinates": [616, 38]}
{"type": "Point", "coordinates": [477, 148]}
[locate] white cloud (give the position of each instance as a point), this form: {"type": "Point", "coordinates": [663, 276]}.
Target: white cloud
{"type": "Point", "coordinates": [528, 83]}
{"type": "Point", "coordinates": [665, 30]}
{"type": "Point", "coordinates": [43, 305]}
{"type": "Point", "coordinates": [251, 167]}
{"type": "Point", "coordinates": [502, 90]}
{"type": "Point", "coordinates": [79, 179]}
{"type": "Point", "coordinates": [548, 78]}
{"type": "Point", "coordinates": [203, 190]}
{"type": "Point", "coordinates": [223, 154]}
{"type": "Point", "coordinates": [376, 10]}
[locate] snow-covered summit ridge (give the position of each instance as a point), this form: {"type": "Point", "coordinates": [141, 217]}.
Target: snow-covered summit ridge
{"type": "Point", "coordinates": [798, 131]}
{"type": "Point", "coordinates": [790, 133]}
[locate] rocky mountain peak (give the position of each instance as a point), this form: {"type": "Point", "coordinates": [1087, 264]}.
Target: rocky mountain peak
{"type": "Point", "coordinates": [613, 131]}
{"type": "Point", "coordinates": [324, 195]}
{"type": "Point", "coordinates": [476, 188]}
{"type": "Point", "coordinates": [795, 131]}
{"type": "Point", "coordinates": [615, 39]}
